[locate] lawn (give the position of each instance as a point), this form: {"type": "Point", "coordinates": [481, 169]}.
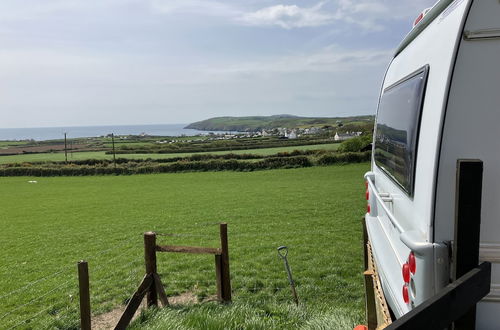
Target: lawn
{"type": "Point", "coordinates": [48, 226]}
{"type": "Point", "coordinates": [102, 155]}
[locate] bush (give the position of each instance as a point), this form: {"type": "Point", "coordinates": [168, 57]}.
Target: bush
{"type": "Point", "coordinates": [347, 157]}
{"type": "Point", "coordinates": [194, 163]}
{"type": "Point", "coordinates": [355, 144]}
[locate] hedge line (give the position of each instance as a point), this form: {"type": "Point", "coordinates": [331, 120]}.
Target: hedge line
{"type": "Point", "coordinates": [195, 157]}
{"type": "Point", "coordinates": [147, 167]}
{"type": "Point", "coordinates": [346, 157]}
{"type": "Point", "coordinates": [211, 146]}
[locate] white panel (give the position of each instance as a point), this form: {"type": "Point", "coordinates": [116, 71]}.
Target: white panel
{"type": "Point", "coordinates": [436, 47]}
{"type": "Point", "coordinates": [471, 131]}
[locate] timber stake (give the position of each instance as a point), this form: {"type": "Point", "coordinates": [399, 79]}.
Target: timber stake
{"type": "Point", "coordinates": [83, 281]}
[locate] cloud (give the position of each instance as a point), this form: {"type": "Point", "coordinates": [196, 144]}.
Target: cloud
{"type": "Point", "coordinates": [328, 60]}
{"type": "Point", "coordinates": [289, 16]}
{"type": "Point", "coordinates": [369, 15]}
{"type": "Point", "coordinates": [196, 7]}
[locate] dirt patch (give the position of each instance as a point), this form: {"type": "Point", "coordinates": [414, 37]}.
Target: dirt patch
{"type": "Point", "coordinates": [186, 298]}
{"type": "Point", "coordinates": [110, 319]}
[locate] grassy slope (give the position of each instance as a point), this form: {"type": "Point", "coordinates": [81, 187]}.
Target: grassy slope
{"type": "Point", "coordinates": [268, 122]}
{"type": "Point", "coordinates": [48, 226]}
{"type": "Point", "coordinates": [102, 155]}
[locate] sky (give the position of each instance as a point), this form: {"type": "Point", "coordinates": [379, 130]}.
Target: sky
{"type": "Point", "coordinates": [117, 62]}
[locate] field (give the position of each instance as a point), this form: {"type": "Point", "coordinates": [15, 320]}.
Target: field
{"type": "Point", "coordinates": [48, 226]}
{"type": "Point", "coordinates": [102, 155]}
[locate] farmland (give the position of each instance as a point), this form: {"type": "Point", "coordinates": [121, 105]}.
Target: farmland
{"type": "Point", "coordinates": [59, 156]}
{"type": "Point", "coordinates": [48, 226]}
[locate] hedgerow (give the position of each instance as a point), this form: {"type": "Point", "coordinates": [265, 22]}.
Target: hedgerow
{"type": "Point", "coordinates": [194, 163]}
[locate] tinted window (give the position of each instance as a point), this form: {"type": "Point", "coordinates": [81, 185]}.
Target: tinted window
{"type": "Point", "coordinates": [397, 129]}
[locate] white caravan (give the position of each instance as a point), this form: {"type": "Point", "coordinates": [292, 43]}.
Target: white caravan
{"type": "Point", "coordinates": [439, 105]}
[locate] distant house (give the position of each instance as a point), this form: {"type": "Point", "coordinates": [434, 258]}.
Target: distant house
{"type": "Point", "coordinates": [344, 136]}
{"type": "Point", "coordinates": [291, 135]}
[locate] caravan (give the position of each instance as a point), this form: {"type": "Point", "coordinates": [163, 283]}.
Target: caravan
{"type": "Point", "coordinates": [438, 122]}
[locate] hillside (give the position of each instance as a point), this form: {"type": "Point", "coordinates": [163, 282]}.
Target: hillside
{"type": "Point", "coordinates": [257, 123]}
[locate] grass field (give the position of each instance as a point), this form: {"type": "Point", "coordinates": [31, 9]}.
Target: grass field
{"type": "Point", "coordinates": [102, 155]}
{"type": "Point", "coordinates": [48, 226]}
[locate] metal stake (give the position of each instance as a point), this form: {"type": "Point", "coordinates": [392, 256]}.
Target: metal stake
{"type": "Point", "coordinates": [283, 253]}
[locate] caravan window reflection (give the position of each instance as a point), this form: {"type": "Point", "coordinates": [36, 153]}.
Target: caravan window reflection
{"type": "Point", "coordinates": [397, 129]}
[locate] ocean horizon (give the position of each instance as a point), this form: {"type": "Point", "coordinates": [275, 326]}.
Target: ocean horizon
{"type": "Point", "coordinates": [53, 133]}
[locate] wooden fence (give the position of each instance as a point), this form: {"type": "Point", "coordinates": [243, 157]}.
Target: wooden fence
{"type": "Point", "coordinates": [151, 285]}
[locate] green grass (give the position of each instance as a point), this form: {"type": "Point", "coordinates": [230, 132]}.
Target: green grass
{"type": "Point", "coordinates": [102, 155]}
{"type": "Point", "coordinates": [59, 156]}
{"type": "Point", "coordinates": [6, 144]}
{"type": "Point", "coordinates": [316, 212]}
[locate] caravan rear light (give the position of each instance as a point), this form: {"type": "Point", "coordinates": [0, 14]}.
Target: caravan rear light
{"type": "Point", "coordinates": [419, 18]}
{"type": "Point", "coordinates": [406, 296]}
{"type": "Point", "coordinates": [368, 208]}
{"type": "Point", "coordinates": [412, 263]}
{"type": "Point", "coordinates": [406, 273]}
{"type": "Point", "coordinates": [367, 194]}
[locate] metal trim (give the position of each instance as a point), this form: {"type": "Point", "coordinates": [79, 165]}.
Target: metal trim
{"type": "Point", "coordinates": [428, 19]}
{"type": "Point", "coordinates": [484, 34]}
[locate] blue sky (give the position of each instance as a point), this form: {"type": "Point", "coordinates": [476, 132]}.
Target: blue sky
{"type": "Point", "coordinates": [109, 62]}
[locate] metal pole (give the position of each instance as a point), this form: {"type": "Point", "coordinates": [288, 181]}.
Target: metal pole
{"type": "Point", "coordinates": [283, 253]}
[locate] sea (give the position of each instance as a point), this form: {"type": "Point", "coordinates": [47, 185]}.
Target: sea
{"type": "Point", "coordinates": [53, 133]}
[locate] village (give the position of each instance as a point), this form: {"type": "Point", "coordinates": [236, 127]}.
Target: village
{"type": "Point", "coordinates": [280, 132]}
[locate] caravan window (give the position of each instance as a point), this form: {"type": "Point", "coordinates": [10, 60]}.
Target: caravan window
{"type": "Point", "coordinates": [397, 129]}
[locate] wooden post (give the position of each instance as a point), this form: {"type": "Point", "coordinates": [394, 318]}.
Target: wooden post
{"type": "Point", "coordinates": [135, 302]}
{"type": "Point", "coordinates": [114, 155]}
{"type": "Point", "coordinates": [65, 148]}
{"type": "Point", "coordinates": [226, 277]}
{"type": "Point", "coordinates": [150, 260]}
{"type": "Point", "coordinates": [160, 290]}
{"type": "Point", "coordinates": [218, 276]}
{"type": "Point", "coordinates": [370, 304]}
{"type": "Point", "coordinates": [83, 281]}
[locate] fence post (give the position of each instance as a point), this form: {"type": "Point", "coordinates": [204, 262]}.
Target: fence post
{"type": "Point", "coordinates": [83, 281]}
{"type": "Point", "coordinates": [225, 275]}
{"type": "Point", "coordinates": [150, 260]}
{"type": "Point", "coordinates": [218, 276]}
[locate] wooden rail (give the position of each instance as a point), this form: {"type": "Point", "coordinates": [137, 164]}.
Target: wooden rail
{"type": "Point", "coordinates": [188, 249]}
{"type": "Point", "coordinates": [152, 286]}
{"type": "Point", "coordinates": [134, 302]}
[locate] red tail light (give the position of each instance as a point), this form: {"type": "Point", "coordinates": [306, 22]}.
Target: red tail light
{"type": "Point", "coordinates": [368, 208]}
{"type": "Point", "coordinates": [367, 194]}
{"type": "Point", "coordinates": [412, 263]}
{"type": "Point", "coordinates": [419, 18]}
{"type": "Point", "coordinates": [406, 273]}
{"type": "Point", "coordinates": [406, 295]}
